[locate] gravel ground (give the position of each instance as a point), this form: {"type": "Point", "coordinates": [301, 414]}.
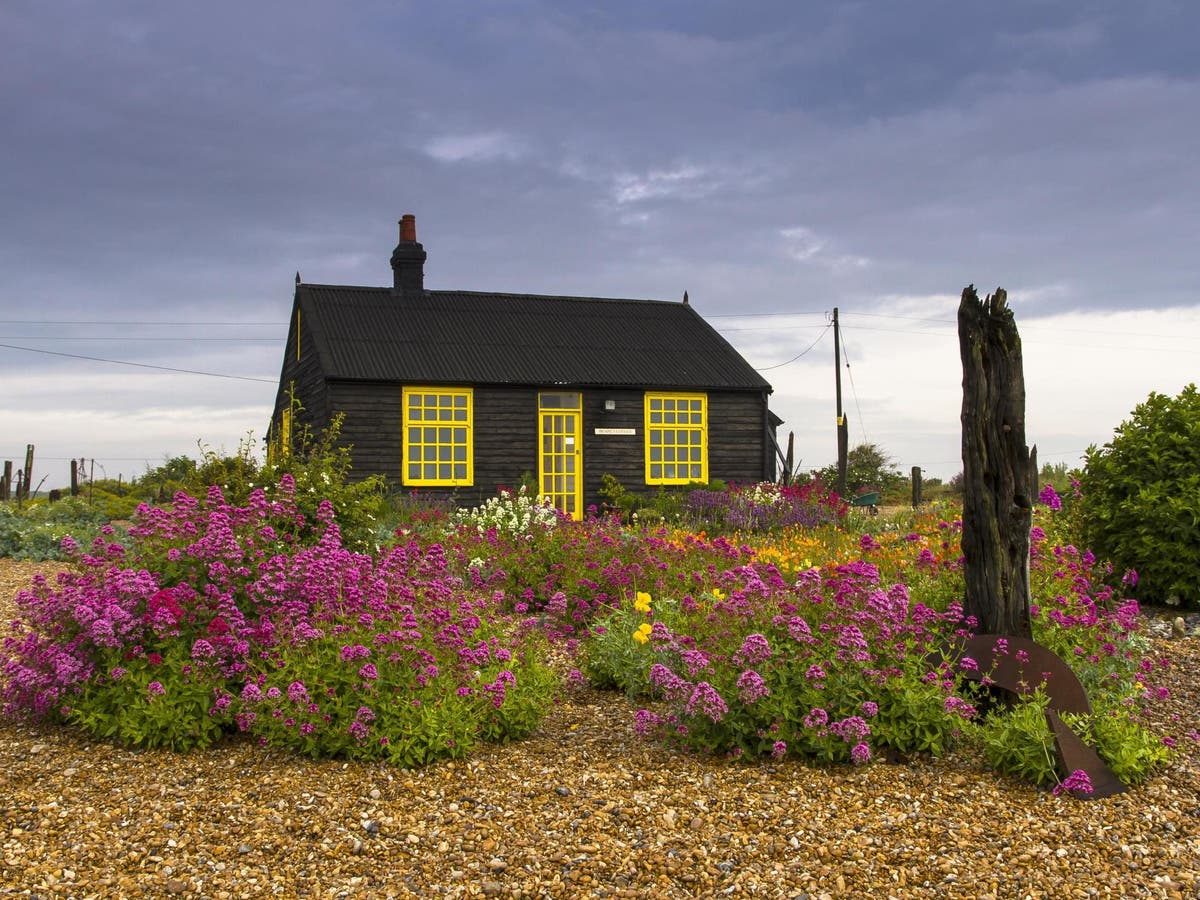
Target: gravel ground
{"type": "Point", "coordinates": [584, 809]}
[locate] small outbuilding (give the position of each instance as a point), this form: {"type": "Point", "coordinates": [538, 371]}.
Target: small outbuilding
{"type": "Point", "coordinates": [460, 392]}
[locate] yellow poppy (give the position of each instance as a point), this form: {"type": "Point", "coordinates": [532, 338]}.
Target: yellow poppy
{"type": "Point", "coordinates": [643, 633]}
{"type": "Point", "coordinates": [641, 602]}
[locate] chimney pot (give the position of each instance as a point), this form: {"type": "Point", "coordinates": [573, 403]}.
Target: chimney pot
{"type": "Point", "coordinates": [408, 260]}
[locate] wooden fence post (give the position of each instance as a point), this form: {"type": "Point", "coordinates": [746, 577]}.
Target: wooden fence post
{"type": "Point", "coordinates": [6, 483]}
{"type": "Point", "coordinates": [916, 486]}
{"type": "Point", "coordinates": [74, 478]}
{"type": "Point", "coordinates": [28, 468]}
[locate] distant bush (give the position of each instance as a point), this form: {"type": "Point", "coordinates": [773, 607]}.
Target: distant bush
{"type": "Point", "coordinates": [36, 531]}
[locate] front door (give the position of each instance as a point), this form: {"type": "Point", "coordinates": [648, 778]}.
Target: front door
{"type": "Point", "coordinates": [560, 457]}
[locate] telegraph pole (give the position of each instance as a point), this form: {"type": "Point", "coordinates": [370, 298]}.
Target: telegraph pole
{"type": "Point", "coordinates": [842, 432]}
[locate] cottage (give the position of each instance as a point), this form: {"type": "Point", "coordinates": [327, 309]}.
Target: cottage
{"type": "Point", "coordinates": [459, 392]}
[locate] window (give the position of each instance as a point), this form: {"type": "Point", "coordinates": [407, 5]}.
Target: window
{"type": "Point", "coordinates": [676, 438]}
{"type": "Point", "coordinates": [437, 436]}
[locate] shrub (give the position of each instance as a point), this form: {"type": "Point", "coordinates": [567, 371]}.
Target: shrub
{"type": "Point", "coordinates": [220, 616]}
{"type": "Point", "coordinates": [1142, 497]}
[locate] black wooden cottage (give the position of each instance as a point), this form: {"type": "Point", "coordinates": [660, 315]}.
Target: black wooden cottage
{"type": "Point", "coordinates": [462, 391]}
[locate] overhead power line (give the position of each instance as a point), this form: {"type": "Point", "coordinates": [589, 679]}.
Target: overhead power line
{"type": "Point", "coordinates": [798, 355]}
{"type": "Point", "coordinates": [122, 362]}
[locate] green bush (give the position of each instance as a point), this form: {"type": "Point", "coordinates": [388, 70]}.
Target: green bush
{"type": "Point", "coordinates": [36, 531]}
{"type": "Point", "coordinates": [1141, 495]}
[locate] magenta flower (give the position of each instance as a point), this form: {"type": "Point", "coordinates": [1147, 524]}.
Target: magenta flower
{"type": "Point", "coordinates": [706, 700]}
{"type": "Point", "coordinates": [816, 718]}
{"type": "Point", "coordinates": [155, 689]}
{"type": "Point", "coordinates": [751, 687]}
{"type": "Point", "coordinates": [779, 750]}
{"type": "Point", "coordinates": [368, 672]}
{"type": "Point", "coordinates": [1077, 783]}
{"type": "Point", "coordinates": [860, 753]}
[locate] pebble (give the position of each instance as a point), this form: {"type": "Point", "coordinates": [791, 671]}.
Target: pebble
{"type": "Point", "coordinates": [248, 822]}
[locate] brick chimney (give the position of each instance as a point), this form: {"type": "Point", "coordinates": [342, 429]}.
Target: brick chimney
{"type": "Point", "coordinates": [408, 259]}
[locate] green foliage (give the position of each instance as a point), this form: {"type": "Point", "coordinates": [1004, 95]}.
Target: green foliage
{"type": "Point", "coordinates": [36, 531]}
{"type": "Point", "coordinates": [1058, 475]}
{"type": "Point", "coordinates": [868, 468]}
{"type": "Point", "coordinates": [1142, 497]}
{"type": "Point", "coordinates": [123, 706]}
{"type": "Point", "coordinates": [1019, 741]}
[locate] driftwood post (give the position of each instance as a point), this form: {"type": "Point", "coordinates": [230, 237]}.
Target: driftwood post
{"type": "Point", "coordinates": [998, 485]}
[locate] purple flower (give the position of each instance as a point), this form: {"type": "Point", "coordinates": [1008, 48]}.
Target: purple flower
{"type": "Point", "coordinates": [352, 652]}
{"type": "Point", "coordinates": [694, 662]}
{"type": "Point", "coordinates": [646, 722]}
{"type": "Point", "coordinates": [751, 687]}
{"type": "Point", "coordinates": [851, 729]}
{"type": "Point", "coordinates": [155, 689]}
{"type": "Point", "coordinates": [869, 709]}
{"type": "Point", "coordinates": [816, 718]}
{"type": "Point", "coordinates": [779, 750]}
{"type": "Point", "coordinates": [755, 649]}
{"type": "Point", "coordinates": [365, 714]}
{"type": "Point", "coordinates": [368, 672]}
{"type": "Point", "coordinates": [251, 693]}
{"type": "Point", "coordinates": [967, 664]}
{"type": "Point", "coordinates": [706, 700]}
{"type": "Point", "coordinates": [358, 730]}
{"type": "Point", "coordinates": [115, 673]}
{"type": "Point", "coordinates": [860, 753]}
{"type": "Point", "coordinates": [297, 692]}
{"type": "Point", "coordinates": [1049, 497]}
{"type": "Point", "coordinates": [1076, 783]}
{"type": "Point", "coordinates": [815, 673]}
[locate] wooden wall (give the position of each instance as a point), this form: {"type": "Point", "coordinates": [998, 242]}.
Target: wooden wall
{"type": "Point", "coordinates": [506, 437]}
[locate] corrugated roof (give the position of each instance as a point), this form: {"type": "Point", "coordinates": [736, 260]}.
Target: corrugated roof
{"type": "Point", "coordinates": [463, 337]}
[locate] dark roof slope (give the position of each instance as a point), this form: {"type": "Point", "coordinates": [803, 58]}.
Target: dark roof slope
{"type": "Point", "coordinates": [464, 337]}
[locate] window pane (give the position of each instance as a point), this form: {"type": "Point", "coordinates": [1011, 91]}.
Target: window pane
{"type": "Point", "coordinates": [414, 471]}
{"type": "Point", "coordinates": [656, 436]}
{"type": "Point", "coordinates": [414, 454]}
{"type": "Point", "coordinates": [430, 454]}
{"type": "Point", "coordinates": [443, 435]}
{"type": "Point", "coordinates": [430, 400]}
{"type": "Point", "coordinates": [656, 418]}
{"type": "Point", "coordinates": [656, 454]}
{"type": "Point", "coordinates": [669, 436]}
{"type": "Point", "coordinates": [669, 454]}
{"type": "Point", "coordinates": [460, 401]}
{"type": "Point", "coordinates": [430, 435]}
{"type": "Point", "coordinates": [414, 415]}
{"type": "Point", "coordinates": [460, 435]}
{"type": "Point", "coordinates": [668, 471]}
{"type": "Point", "coordinates": [430, 471]}
{"type": "Point", "coordinates": [460, 472]}
{"type": "Point", "coordinates": [656, 403]}
{"type": "Point", "coordinates": [414, 435]}
{"type": "Point", "coordinates": [444, 472]}
{"type": "Point", "coordinates": [444, 453]}
{"type": "Point", "coordinates": [656, 471]}
{"type": "Point", "coordinates": [696, 472]}
{"type": "Point", "coordinates": [460, 454]}
{"type": "Point", "coordinates": [460, 415]}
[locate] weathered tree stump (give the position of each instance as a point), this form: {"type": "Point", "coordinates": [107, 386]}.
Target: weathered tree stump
{"type": "Point", "coordinates": [998, 483]}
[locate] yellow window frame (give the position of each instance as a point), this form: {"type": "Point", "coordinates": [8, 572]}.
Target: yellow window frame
{"type": "Point", "coordinates": [676, 429]}
{"type": "Point", "coordinates": [438, 436]}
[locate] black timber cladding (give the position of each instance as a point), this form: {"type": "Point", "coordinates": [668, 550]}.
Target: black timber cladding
{"type": "Point", "coordinates": [463, 337]}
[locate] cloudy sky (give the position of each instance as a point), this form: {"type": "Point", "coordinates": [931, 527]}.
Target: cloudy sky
{"type": "Point", "coordinates": [167, 168]}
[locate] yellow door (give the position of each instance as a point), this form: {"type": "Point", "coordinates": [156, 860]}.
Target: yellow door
{"type": "Point", "coordinates": [560, 458]}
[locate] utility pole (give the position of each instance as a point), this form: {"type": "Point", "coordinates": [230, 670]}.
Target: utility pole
{"type": "Point", "coordinates": [842, 432]}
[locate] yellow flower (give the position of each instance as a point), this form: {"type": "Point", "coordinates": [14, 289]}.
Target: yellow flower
{"type": "Point", "coordinates": [718, 593]}
{"type": "Point", "coordinates": [643, 633]}
{"type": "Point", "coordinates": [641, 602]}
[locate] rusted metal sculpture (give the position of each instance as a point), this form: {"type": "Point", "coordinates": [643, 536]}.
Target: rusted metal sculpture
{"type": "Point", "coordinates": [999, 483]}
